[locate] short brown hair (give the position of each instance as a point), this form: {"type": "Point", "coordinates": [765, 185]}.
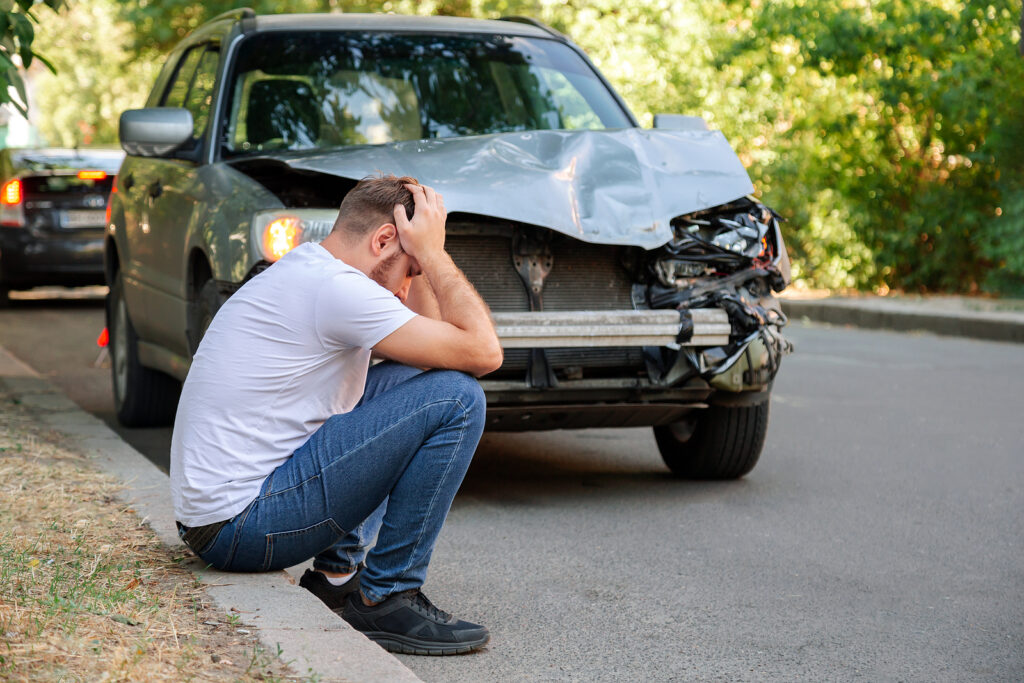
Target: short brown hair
{"type": "Point", "coordinates": [371, 203]}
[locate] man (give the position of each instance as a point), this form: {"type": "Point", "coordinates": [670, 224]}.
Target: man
{"type": "Point", "coordinates": [287, 447]}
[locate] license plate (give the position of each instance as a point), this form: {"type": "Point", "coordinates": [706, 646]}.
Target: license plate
{"type": "Point", "coordinates": [83, 219]}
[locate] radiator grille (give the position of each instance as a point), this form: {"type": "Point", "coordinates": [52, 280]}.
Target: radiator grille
{"type": "Point", "coordinates": [584, 277]}
{"type": "Point", "coordinates": [560, 359]}
{"type": "Point", "coordinates": [487, 262]}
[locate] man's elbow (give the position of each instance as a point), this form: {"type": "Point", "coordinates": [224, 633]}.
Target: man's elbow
{"type": "Point", "coordinates": [489, 359]}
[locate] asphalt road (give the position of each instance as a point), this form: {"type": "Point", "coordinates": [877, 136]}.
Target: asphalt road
{"type": "Point", "coordinates": [880, 538]}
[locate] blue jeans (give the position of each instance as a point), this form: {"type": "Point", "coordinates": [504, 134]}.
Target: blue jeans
{"type": "Point", "coordinates": [390, 468]}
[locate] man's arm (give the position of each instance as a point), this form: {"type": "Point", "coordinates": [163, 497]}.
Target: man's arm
{"type": "Point", "coordinates": [421, 298]}
{"type": "Point", "coordinates": [464, 337]}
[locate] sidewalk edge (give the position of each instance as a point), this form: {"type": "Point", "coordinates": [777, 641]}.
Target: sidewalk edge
{"type": "Point", "coordinates": [976, 326]}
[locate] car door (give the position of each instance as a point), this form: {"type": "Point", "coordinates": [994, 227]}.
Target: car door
{"type": "Point", "coordinates": [169, 191]}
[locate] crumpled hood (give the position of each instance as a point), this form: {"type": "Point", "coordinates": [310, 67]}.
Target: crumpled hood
{"type": "Point", "coordinates": [607, 187]}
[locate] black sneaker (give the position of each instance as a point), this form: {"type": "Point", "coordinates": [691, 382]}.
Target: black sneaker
{"type": "Point", "coordinates": [409, 624]}
{"type": "Point", "coordinates": [331, 595]}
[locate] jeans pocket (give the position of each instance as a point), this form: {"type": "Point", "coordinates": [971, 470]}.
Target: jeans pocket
{"type": "Point", "coordinates": [288, 548]}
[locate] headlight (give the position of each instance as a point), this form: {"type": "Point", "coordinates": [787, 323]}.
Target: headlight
{"type": "Point", "coordinates": [277, 232]}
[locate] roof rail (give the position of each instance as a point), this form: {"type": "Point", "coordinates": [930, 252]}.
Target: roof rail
{"type": "Point", "coordinates": [541, 25]}
{"type": "Point", "coordinates": [240, 13]}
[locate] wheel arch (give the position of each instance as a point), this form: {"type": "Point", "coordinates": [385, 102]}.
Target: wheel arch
{"type": "Point", "coordinates": [199, 272]}
{"type": "Point", "coordinates": [111, 260]}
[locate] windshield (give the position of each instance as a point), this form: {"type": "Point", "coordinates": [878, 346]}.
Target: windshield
{"type": "Point", "coordinates": [310, 90]}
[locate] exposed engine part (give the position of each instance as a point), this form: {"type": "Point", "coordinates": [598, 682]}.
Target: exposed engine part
{"type": "Point", "coordinates": [742, 234]}
{"type": "Point", "coordinates": [721, 241]}
{"type": "Point", "coordinates": [532, 258]}
{"type": "Point", "coordinates": [702, 291]}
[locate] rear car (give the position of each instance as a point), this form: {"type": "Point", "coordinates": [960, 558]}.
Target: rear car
{"type": "Point", "coordinates": [629, 271]}
{"type": "Point", "coordinates": [52, 216]}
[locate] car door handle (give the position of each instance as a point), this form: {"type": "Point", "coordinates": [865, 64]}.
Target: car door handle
{"type": "Point", "coordinates": [156, 189]}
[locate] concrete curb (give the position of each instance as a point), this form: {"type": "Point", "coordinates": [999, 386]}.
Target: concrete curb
{"type": "Point", "coordinates": [909, 316]}
{"type": "Point", "coordinates": [311, 637]}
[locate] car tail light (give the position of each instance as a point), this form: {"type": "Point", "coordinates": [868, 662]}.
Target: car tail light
{"type": "Point", "coordinates": [11, 212]}
{"type": "Point", "coordinates": [11, 193]}
{"type": "Point", "coordinates": [275, 233]}
{"type": "Point", "coordinates": [92, 175]}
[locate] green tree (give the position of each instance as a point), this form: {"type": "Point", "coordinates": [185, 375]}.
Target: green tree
{"type": "Point", "coordinates": [158, 26]}
{"type": "Point", "coordinates": [888, 131]}
{"type": "Point", "coordinates": [98, 75]}
{"type": "Point", "coordinates": [916, 122]}
{"type": "Point", "coordinates": [16, 53]}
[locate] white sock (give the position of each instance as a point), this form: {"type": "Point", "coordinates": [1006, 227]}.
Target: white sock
{"type": "Point", "coordinates": [338, 580]}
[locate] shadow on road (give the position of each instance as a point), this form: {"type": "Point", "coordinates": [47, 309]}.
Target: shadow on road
{"type": "Point", "coordinates": [599, 465]}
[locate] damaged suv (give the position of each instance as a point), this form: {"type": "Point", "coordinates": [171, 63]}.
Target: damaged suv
{"type": "Point", "coordinates": [629, 272]}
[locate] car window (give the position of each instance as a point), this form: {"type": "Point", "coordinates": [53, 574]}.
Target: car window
{"type": "Point", "coordinates": [570, 105]}
{"type": "Point", "coordinates": [200, 93]}
{"type": "Point", "coordinates": [178, 88]}
{"type": "Point", "coordinates": [324, 89]}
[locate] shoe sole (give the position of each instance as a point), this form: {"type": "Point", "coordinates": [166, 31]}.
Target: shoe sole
{"type": "Point", "coordinates": [411, 646]}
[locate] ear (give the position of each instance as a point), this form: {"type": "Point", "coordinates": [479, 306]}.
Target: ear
{"type": "Point", "coordinates": [382, 238]}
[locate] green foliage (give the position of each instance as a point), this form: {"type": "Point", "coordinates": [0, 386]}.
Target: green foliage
{"type": "Point", "coordinates": [159, 25]}
{"type": "Point", "coordinates": [97, 75]}
{"type": "Point", "coordinates": [16, 36]}
{"type": "Point", "coordinates": [927, 123]}
{"type": "Point", "coordinates": [888, 132]}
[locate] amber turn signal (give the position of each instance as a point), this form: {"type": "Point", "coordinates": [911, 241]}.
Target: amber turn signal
{"type": "Point", "coordinates": [281, 236]}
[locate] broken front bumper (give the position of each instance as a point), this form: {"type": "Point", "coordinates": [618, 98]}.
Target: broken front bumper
{"type": "Point", "coordinates": [540, 329]}
{"type": "Point", "coordinates": [689, 357]}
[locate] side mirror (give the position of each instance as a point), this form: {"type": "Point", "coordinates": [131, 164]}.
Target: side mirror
{"type": "Point", "coordinates": [154, 132]}
{"type": "Point", "coordinates": [679, 122]}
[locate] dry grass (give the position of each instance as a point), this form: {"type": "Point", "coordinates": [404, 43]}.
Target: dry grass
{"type": "Point", "coordinates": [87, 592]}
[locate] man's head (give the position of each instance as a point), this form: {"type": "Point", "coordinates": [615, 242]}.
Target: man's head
{"type": "Point", "coordinates": [366, 229]}
{"type": "Point", "coordinates": [371, 203]}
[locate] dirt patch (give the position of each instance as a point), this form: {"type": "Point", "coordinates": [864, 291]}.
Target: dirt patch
{"type": "Point", "coordinates": [87, 592]}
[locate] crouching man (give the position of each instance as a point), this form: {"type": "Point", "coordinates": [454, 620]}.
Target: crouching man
{"type": "Point", "coordinates": [288, 446]}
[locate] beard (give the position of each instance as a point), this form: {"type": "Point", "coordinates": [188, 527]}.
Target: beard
{"type": "Point", "coordinates": [382, 271]}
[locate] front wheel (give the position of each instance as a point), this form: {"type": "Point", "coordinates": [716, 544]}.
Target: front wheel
{"type": "Point", "coordinates": [724, 442]}
{"type": "Point", "coordinates": [143, 397]}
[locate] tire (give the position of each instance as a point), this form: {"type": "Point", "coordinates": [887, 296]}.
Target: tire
{"type": "Point", "coordinates": [201, 313]}
{"type": "Point", "coordinates": [5, 291]}
{"type": "Point", "coordinates": [725, 442]}
{"type": "Point", "coordinates": [142, 397]}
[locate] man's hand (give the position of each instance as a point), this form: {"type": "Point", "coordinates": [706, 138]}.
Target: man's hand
{"type": "Point", "coordinates": [454, 329]}
{"type": "Point", "coordinates": [423, 236]}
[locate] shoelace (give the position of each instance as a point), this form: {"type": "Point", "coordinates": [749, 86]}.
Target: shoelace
{"type": "Point", "coordinates": [420, 599]}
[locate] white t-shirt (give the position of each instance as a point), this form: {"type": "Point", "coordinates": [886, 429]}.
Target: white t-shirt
{"type": "Point", "coordinates": [287, 351]}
